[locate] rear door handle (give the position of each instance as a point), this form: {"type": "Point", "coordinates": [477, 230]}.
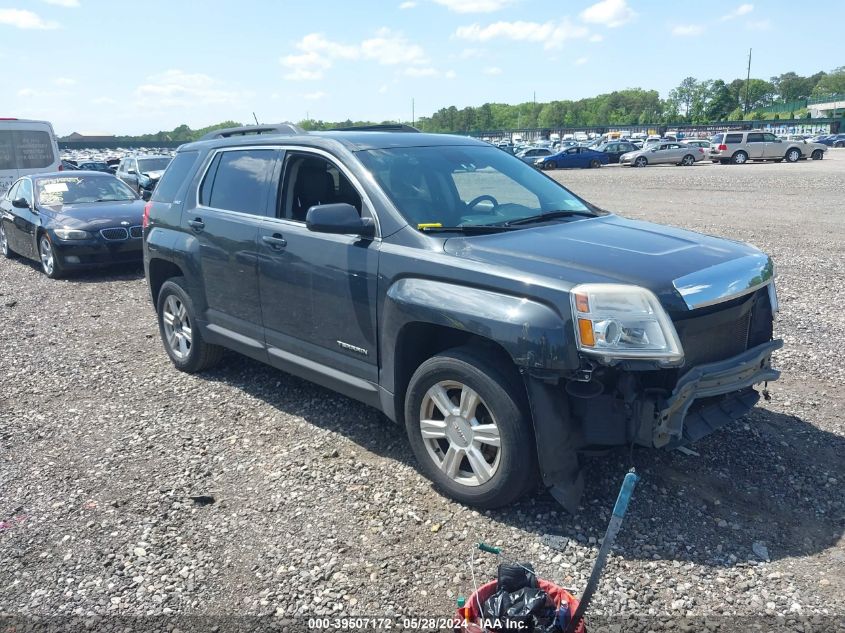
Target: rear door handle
{"type": "Point", "coordinates": [197, 224]}
{"type": "Point", "coordinates": [275, 241]}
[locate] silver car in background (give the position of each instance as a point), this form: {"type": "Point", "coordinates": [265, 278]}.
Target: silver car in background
{"type": "Point", "coordinates": [664, 154]}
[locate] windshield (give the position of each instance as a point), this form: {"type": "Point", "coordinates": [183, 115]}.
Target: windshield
{"type": "Point", "coordinates": [465, 186]}
{"type": "Point", "coordinates": [78, 189]}
{"type": "Point", "coordinates": [152, 164]}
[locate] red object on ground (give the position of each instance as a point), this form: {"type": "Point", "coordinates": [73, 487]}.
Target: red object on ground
{"type": "Point", "coordinates": [558, 594]}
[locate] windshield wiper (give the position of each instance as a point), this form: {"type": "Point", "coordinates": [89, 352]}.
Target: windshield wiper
{"type": "Point", "coordinates": [549, 215]}
{"type": "Point", "coordinates": [468, 228]}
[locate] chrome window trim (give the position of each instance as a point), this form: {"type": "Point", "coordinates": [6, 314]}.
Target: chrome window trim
{"type": "Point", "coordinates": [725, 281]}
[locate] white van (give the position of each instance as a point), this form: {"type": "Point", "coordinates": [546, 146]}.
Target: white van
{"type": "Point", "coordinates": [26, 147]}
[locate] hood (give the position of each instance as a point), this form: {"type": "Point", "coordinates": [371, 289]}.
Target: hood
{"type": "Point", "coordinates": [153, 175]}
{"type": "Point", "coordinates": [93, 216]}
{"type": "Point", "coordinates": [606, 249]}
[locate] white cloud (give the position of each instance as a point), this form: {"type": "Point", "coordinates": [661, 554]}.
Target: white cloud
{"type": "Point", "coordinates": [552, 34]}
{"type": "Point", "coordinates": [318, 54]}
{"type": "Point", "coordinates": [475, 6]}
{"type": "Point", "coordinates": [687, 30]}
{"type": "Point", "coordinates": [29, 93]}
{"type": "Point", "coordinates": [493, 71]}
{"type": "Point", "coordinates": [450, 74]}
{"type": "Point", "coordinates": [472, 53]}
{"type": "Point", "coordinates": [743, 9]}
{"type": "Point", "coordinates": [596, 37]}
{"type": "Point", "coordinates": [314, 96]}
{"type": "Point", "coordinates": [23, 19]}
{"type": "Point", "coordinates": [176, 88]}
{"type": "Point", "coordinates": [581, 61]}
{"type": "Point", "coordinates": [760, 25]}
{"type": "Point", "coordinates": [383, 89]}
{"type": "Point", "coordinates": [64, 81]}
{"type": "Point", "coordinates": [104, 101]}
{"type": "Point", "coordinates": [68, 4]}
{"type": "Point", "coordinates": [610, 13]}
{"type": "Point", "coordinates": [410, 4]}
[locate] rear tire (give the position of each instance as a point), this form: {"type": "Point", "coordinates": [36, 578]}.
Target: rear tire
{"type": "Point", "coordinates": [180, 332]}
{"type": "Point", "coordinates": [739, 158]}
{"type": "Point", "coordinates": [793, 155]}
{"type": "Point", "coordinates": [595, 164]}
{"type": "Point", "coordinates": [5, 249]}
{"type": "Point", "coordinates": [550, 164]}
{"type": "Point", "coordinates": [455, 454]}
{"type": "Point", "coordinates": [641, 161]}
{"type": "Point", "coordinates": [817, 154]}
{"type": "Point", "coordinates": [688, 160]}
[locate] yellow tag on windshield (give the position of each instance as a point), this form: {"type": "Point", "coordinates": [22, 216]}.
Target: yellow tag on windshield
{"type": "Point", "coordinates": [429, 225]}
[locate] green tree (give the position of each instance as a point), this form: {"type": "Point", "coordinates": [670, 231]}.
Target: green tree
{"type": "Point", "coordinates": [832, 83]}
{"type": "Point", "coordinates": [722, 101]}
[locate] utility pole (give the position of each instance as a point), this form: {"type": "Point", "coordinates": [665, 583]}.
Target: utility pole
{"type": "Point", "coordinates": [413, 116]}
{"type": "Point", "coordinates": [747, 81]}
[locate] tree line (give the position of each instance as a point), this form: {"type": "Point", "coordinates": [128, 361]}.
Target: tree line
{"type": "Point", "coordinates": [692, 101]}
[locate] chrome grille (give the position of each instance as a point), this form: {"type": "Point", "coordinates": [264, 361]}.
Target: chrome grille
{"type": "Point", "coordinates": [114, 234]}
{"type": "Point", "coordinates": [136, 231]}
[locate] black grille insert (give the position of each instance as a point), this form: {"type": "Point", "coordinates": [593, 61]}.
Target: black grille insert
{"type": "Point", "coordinates": [114, 234]}
{"type": "Point", "coordinates": [136, 231]}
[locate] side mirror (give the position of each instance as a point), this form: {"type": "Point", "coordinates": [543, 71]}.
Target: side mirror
{"type": "Point", "coordinates": [340, 218]}
{"type": "Point", "coordinates": [146, 194]}
{"type": "Point", "coordinates": [20, 203]}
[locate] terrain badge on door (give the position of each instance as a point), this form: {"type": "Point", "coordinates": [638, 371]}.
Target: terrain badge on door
{"type": "Point", "coordinates": [353, 348]}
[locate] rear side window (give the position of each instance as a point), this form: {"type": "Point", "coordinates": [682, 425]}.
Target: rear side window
{"type": "Point", "coordinates": [733, 138]}
{"type": "Point", "coordinates": [240, 181]}
{"type": "Point", "coordinates": [26, 149]}
{"type": "Point", "coordinates": [175, 174]}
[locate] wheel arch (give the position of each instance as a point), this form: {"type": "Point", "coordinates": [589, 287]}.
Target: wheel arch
{"type": "Point", "coordinates": [159, 271]}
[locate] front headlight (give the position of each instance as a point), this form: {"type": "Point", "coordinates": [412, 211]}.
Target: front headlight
{"type": "Point", "coordinates": [72, 234]}
{"type": "Point", "coordinates": [616, 321]}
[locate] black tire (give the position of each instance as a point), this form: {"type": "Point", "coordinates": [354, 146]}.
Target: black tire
{"type": "Point", "coordinates": [550, 164]}
{"type": "Point", "coordinates": [839, 144]}
{"type": "Point", "coordinates": [688, 160]}
{"type": "Point", "coordinates": [52, 270]}
{"type": "Point", "coordinates": [739, 158]}
{"type": "Point", "coordinates": [817, 154]}
{"type": "Point", "coordinates": [641, 161]}
{"type": "Point", "coordinates": [595, 163]}
{"type": "Point", "coordinates": [723, 161]}
{"type": "Point", "coordinates": [200, 355]}
{"type": "Point", "coordinates": [5, 249]}
{"type": "Point", "coordinates": [793, 155]}
{"type": "Point", "coordinates": [502, 399]}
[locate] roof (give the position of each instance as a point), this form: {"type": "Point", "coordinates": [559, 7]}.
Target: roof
{"type": "Point", "coordinates": [70, 173]}
{"type": "Point", "coordinates": [354, 140]}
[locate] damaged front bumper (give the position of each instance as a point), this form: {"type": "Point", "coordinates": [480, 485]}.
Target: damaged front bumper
{"type": "Point", "coordinates": [672, 421]}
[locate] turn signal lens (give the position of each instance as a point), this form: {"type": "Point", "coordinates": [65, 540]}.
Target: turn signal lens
{"type": "Point", "coordinates": [585, 328]}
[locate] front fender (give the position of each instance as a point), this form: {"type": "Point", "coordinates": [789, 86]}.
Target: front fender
{"type": "Point", "coordinates": [534, 334]}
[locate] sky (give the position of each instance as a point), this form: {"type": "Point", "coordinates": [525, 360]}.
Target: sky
{"type": "Point", "coordinates": [118, 67]}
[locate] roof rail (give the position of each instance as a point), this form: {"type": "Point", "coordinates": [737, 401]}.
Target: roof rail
{"type": "Point", "coordinates": [248, 130]}
{"type": "Point", "coordinates": [384, 127]}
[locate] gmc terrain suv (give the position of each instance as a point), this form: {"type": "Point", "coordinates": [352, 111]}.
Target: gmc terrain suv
{"type": "Point", "coordinates": [504, 321]}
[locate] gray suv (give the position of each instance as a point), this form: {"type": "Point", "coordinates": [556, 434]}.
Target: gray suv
{"type": "Point", "coordinates": [740, 147]}
{"type": "Point", "coordinates": [505, 322]}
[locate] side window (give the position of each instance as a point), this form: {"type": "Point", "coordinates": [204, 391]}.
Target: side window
{"type": "Point", "coordinates": [241, 181]}
{"type": "Point", "coordinates": [769, 137]}
{"type": "Point", "coordinates": [12, 194]}
{"type": "Point", "coordinates": [25, 190]}
{"type": "Point", "coordinates": [733, 138]}
{"type": "Point", "coordinates": [174, 176]}
{"type": "Point", "coordinates": [755, 137]}
{"type": "Point", "coordinates": [312, 180]}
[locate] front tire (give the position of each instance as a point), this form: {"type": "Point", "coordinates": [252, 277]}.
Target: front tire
{"type": "Point", "coordinates": [793, 155]}
{"type": "Point", "coordinates": [550, 164]}
{"type": "Point", "coordinates": [51, 265]}
{"type": "Point", "coordinates": [180, 332]}
{"type": "Point", "coordinates": [688, 160]}
{"type": "Point", "coordinates": [468, 430]}
{"type": "Point", "coordinates": [740, 158]}
{"type": "Point", "coordinates": [641, 161]}
{"type": "Point", "coordinates": [817, 154]}
{"type": "Point", "coordinates": [595, 164]}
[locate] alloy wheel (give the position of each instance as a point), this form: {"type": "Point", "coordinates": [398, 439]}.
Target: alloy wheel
{"type": "Point", "coordinates": [4, 242]}
{"type": "Point", "coordinates": [460, 434]}
{"type": "Point", "coordinates": [177, 327]}
{"type": "Point", "coordinates": [45, 252]}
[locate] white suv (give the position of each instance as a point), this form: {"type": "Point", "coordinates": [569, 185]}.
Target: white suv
{"type": "Point", "coordinates": [740, 147]}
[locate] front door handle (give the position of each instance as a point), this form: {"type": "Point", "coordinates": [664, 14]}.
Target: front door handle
{"type": "Point", "coordinates": [276, 241]}
{"type": "Point", "coordinates": [197, 224]}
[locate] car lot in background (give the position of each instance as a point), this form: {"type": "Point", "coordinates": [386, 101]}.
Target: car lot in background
{"type": "Point", "coordinates": [615, 149]}
{"type": "Point", "coordinates": [740, 147]}
{"type": "Point", "coordinates": [68, 221]}
{"type": "Point", "coordinates": [93, 165]}
{"type": "Point", "coordinates": [531, 154]}
{"type": "Point", "coordinates": [664, 154]}
{"type": "Point", "coordinates": [142, 173]}
{"type": "Point", "coordinates": [694, 142]}
{"type": "Point", "coordinates": [573, 157]}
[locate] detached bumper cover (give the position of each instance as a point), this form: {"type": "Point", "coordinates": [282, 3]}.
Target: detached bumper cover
{"type": "Point", "coordinates": [672, 424]}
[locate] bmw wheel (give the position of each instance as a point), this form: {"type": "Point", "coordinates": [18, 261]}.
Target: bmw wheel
{"type": "Point", "coordinates": [177, 324]}
{"type": "Point", "coordinates": [467, 426]}
{"type": "Point", "coordinates": [50, 263]}
{"type": "Point", "coordinates": [4, 243]}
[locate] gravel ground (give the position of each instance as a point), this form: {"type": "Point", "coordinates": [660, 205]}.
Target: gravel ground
{"type": "Point", "coordinates": [128, 488]}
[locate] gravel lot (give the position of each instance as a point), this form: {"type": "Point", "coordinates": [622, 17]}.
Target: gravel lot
{"type": "Point", "coordinates": [108, 456]}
